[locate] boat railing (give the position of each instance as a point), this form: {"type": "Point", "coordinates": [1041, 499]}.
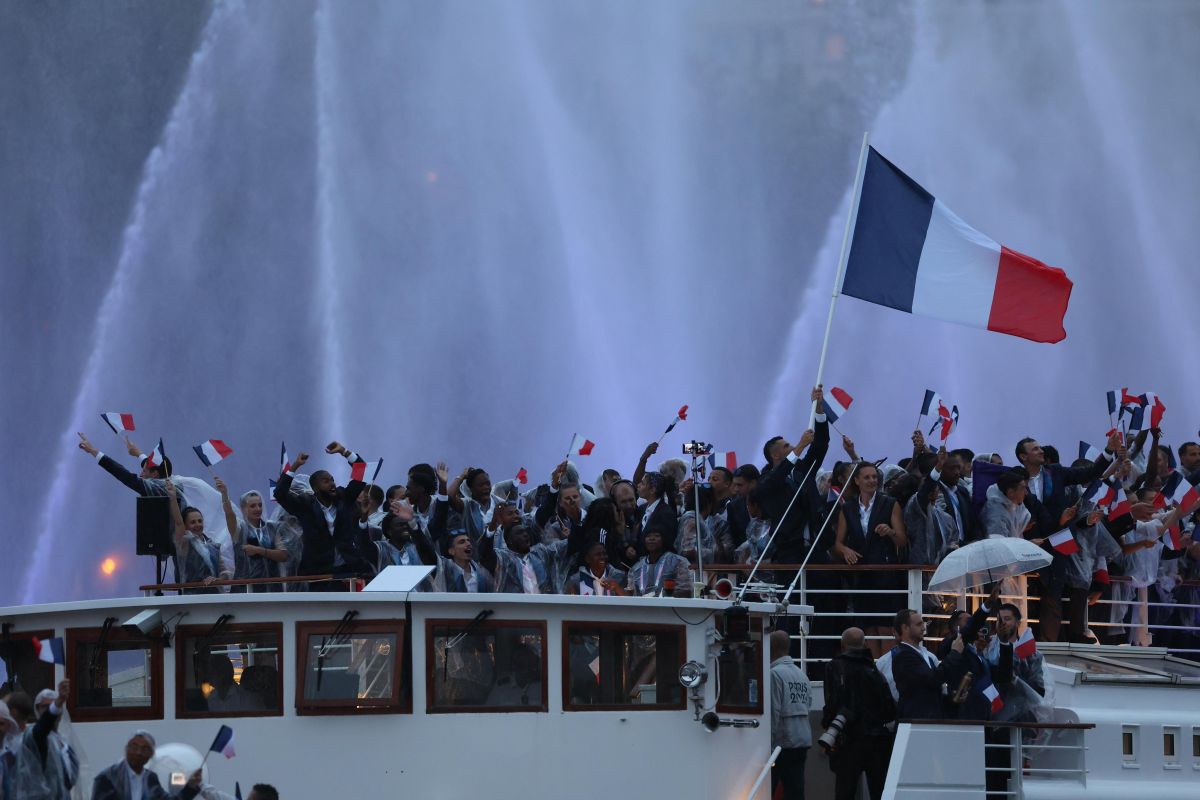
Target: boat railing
{"type": "Point", "coordinates": [763, 773]}
{"type": "Point", "coordinates": [349, 584]}
{"type": "Point", "coordinates": [1014, 752]}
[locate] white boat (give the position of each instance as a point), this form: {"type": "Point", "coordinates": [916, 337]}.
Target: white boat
{"type": "Point", "coordinates": [383, 693]}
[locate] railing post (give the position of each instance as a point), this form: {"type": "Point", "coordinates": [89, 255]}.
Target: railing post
{"type": "Point", "coordinates": [915, 599]}
{"type": "Point", "coordinates": [1018, 760]}
{"type": "Point", "coordinates": [803, 622]}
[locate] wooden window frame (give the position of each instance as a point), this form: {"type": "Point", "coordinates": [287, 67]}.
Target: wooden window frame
{"type": "Point", "coordinates": [572, 627]}
{"type": "Point", "coordinates": [184, 633]}
{"type": "Point", "coordinates": [486, 625]}
{"type": "Point", "coordinates": [77, 637]}
{"type": "Point", "coordinates": [27, 637]}
{"type": "Point", "coordinates": [306, 708]}
{"type": "Point", "coordinates": [761, 648]}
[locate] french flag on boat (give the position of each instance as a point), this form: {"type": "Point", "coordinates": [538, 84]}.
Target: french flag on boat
{"type": "Point", "coordinates": [1155, 408]}
{"type": "Point", "coordinates": [522, 476]}
{"type": "Point", "coordinates": [223, 743]}
{"type": "Point", "coordinates": [285, 464]}
{"type": "Point", "coordinates": [913, 254]}
{"type": "Point", "coordinates": [931, 403]}
{"type": "Point", "coordinates": [836, 404]}
{"type": "Point", "coordinates": [118, 422]}
{"type": "Point", "coordinates": [991, 693]}
{"type": "Point", "coordinates": [271, 490]}
{"type": "Point", "coordinates": [1064, 542]}
{"type": "Point", "coordinates": [50, 650]}
{"type": "Point", "coordinates": [214, 451]}
{"type": "Point", "coordinates": [946, 423]}
{"type": "Point", "coordinates": [1025, 645]}
{"type": "Point", "coordinates": [1087, 452]}
{"type": "Point", "coordinates": [581, 445]}
{"type": "Point", "coordinates": [1178, 491]}
{"type": "Point", "coordinates": [155, 457]}
{"type": "Point", "coordinates": [1101, 493]}
{"type": "Point", "coordinates": [727, 459]}
{"type": "Point", "coordinates": [1120, 505]}
{"type": "Point", "coordinates": [360, 469]}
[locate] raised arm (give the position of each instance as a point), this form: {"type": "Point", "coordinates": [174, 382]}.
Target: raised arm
{"type": "Point", "coordinates": [283, 489]}
{"type": "Point", "coordinates": [487, 554]}
{"type": "Point", "coordinates": [640, 471]}
{"type": "Point", "coordinates": [115, 469]}
{"type": "Point", "coordinates": [231, 520]}
{"type": "Point", "coordinates": [452, 491]}
{"type": "Point", "coordinates": [181, 543]}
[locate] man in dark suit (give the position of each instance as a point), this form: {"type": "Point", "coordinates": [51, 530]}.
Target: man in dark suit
{"type": "Point", "coordinates": [333, 540]}
{"type": "Point", "coordinates": [118, 781]}
{"type": "Point", "coordinates": [1048, 501]}
{"type": "Point", "coordinates": [917, 673]}
{"type": "Point", "coordinates": [787, 471]}
{"type": "Point", "coordinates": [956, 497]}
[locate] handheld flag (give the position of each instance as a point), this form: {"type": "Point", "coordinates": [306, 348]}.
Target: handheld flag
{"type": "Point", "coordinates": [836, 404]}
{"type": "Point", "coordinates": [911, 253]}
{"type": "Point", "coordinates": [1114, 401]}
{"type": "Point", "coordinates": [237, 791]}
{"type": "Point", "coordinates": [947, 421]}
{"type": "Point", "coordinates": [213, 451]}
{"type": "Point", "coordinates": [118, 422]}
{"type": "Point", "coordinates": [991, 693]}
{"type": "Point", "coordinates": [1064, 542]}
{"type": "Point", "coordinates": [1087, 452]}
{"type": "Point", "coordinates": [1120, 505]}
{"type": "Point", "coordinates": [50, 650]}
{"type": "Point", "coordinates": [1154, 408]}
{"type": "Point", "coordinates": [1025, 645]}
{"type": "Point", "coordinates": [581, 446]}
{"type": "Point", "coordinates": [680, 414]}
{"type": "Point", "coordinates": [728, 460]}
{"type": "Point", "coordinates": [223, 743]}
{"type": "Point", "coordinates": [271, 490]}
{"type": "Point", "coordinates": [155, 458]}
{"type": "Point", "coordinates": [285, 464]}
{"type": "Point", "coordinates": [522, 476]}
{"type": "Point", "coordinates": [360, 469]}
{"type": "Point", "coordinates": [1178, 491]}
{"type": "Point", "coordinates": [931, 402]}
{"type": "Point", "coordinates": [1100, 493]}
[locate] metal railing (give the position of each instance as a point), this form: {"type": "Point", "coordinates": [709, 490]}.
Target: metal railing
{"type": "Point", "coordinates": [351, 584]}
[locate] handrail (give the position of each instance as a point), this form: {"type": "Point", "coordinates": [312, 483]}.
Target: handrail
{"type": "Point", "coordinates": [1048, 726]}
{"type": "Point", "coordinates": [766, 770]}
{"type": "Point", "coordinates": [150, 587]}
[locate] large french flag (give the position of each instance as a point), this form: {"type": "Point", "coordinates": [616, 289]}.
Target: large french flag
{"type": "Point", "coordinates": [214, 451]}
{"type": "Point", "coordinates": [913, 254]}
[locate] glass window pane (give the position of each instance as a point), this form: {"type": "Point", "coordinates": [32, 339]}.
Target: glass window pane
{"type": "Point", "coordinates": [632, 667]}
{"type": "Point", "coordinates": [486, 667]}
{"type": "Point", "coordinates": [233, 673]}
{"type": "Point", "coordinates": [29, 672]}
{"type": "Point", "coordinates": [355, 667]}
{"type": "Point", "coordinates": [115, 676]}
{"type": "Point", "coordinates": [740, 675]}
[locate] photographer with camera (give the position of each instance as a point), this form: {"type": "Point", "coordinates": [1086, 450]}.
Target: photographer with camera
{"type": "Point", "coordinates": [859, 718]}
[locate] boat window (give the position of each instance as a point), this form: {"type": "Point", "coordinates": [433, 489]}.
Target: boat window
{"type": "Point", "coordinates": [232, 672]}
{"type": "Point", "coordinates": [740, 670]}
{"type": "Point", "coordinates": [1129, 736]}
{"type": "Point", "coordinates": [610, 666]}
{"type": "Point", "coordinates": [351, 667]}
{"type": "Point", "coordinates": [115, 675]}
{"type": "Point", "coordinates": [1196, 745]}
{"type": "Point", "coordinates": [1171, 744]}
{"type": "Point", "coordinates": [21, 663]}
{"type": "Point", "coordinates": [491, 666]}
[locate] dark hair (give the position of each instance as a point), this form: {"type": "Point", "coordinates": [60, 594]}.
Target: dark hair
{"type": "Point", "coordinates": [706, 499]}
{"type": "Point", "coordinates": [837, 477]}
{"type": "Point", "coordinates": [965, 453]}
{"type": "Point", "coordinates": [767, 447]}
{"type": "Point", "coordinates": [158, 469]}
{"type": "Point", "coordinates": [610, 473]}
{"type": "Point", "coordinates": [904, 486]}
{"type": "Point", "coordinates": [1016, 612]}
{"type": "Point", "coordinates": [663, 486]}
{"type": "Point", "coordinates": [426, 480]}
{"type": "Point", "coordinates": [926, 462]}
{"type": "Point", "coordinates": [904, 462]}
{"type": "Point", "coordinates": [715, 470]}
{"type": "Point", "coordinates": [266, 791]}
{"type": "Point", "coordinates": [1011, 479]}
{"type": "Point", "coordinates": [1080, 462]}
{"type": "Point", "coordinates": [391, 490]}
{"type": "Point", "coordinates": [20, 704]}
{"type": "Point", "coordinates": [189, 510]}
{"type": "Point", "coordinates": [860, 466]}
{"type": "Point", "coordinates": [472, 474]}
{"type": "Point", "coordinates": [902, 618]}
{"type": "Point", "coordinates": [668, 536]}
{"type": "Point", "coordinates": [451, 536]}
{"type": "Point", "coordinates": [1051, 453]}
{"type": "Point", "coordinates": [747, 472]}
{"type": "Point", "coordinates": [1021, 447]}
{"type": "Point", "coordinates": [375, 493]}
{"type": "Point", "coordinates": [1183, 447]}
{"type": "Point", "coordinates": [612, 490]}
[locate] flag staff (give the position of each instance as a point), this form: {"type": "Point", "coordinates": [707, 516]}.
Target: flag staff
{"type": "Point", "coordinates": [847, 235]}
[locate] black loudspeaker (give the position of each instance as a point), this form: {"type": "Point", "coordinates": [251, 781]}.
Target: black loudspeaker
{"type": "Point", "coordinates": [154, 526]}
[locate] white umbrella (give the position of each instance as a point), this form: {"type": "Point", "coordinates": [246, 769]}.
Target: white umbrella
{"type": "Point", "coordinates": [988, 561]}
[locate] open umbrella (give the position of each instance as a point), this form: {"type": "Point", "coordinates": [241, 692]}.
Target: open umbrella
{"type": "Point", "coordinates": [987, 561]}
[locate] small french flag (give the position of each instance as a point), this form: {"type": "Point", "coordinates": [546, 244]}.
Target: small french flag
{"type": "Point", "coordinates": [50, 650]}
{"type": "Point", "coordinates": [946, 423]}
{"type": "Point", "coordinates": [1120, 505]}
{"type": "Point", "coordinates": [156, 456]}
{"type": "Point", "coordinates": [223, 743]}
{"type": "Point", "coordinates": [581, 446]}
{"type": "Point", "coordinates": [118, 422]}
{"type": "Point", "coordinates": [271, 490]}
{"type": "Point", "coordinates": [1025, 645]}
{"type": "Point", "coordinates": [836, 403]}
{"type": "Point", "coordinates": [991, 693]}
{"type": "Point", "coordinates": [728, 460]}
{"type": "Point", "coordinates": [285, 464]}
{"type": "Point", "coordinates": [360, 469]}
{"type": "Point", "coordinates": [1173, 536]}
{"type": "Point", "coordinates": [1154, 405]}
{"type": "Point", "coordinates": [931, 403]}
{"type": "Point", "coordinates": [522, 476]}
{"type": "Point", "coordinates": [1114, 400]}
{"type": "Point", "coordinates": [214, 451]}
{"type": "Point", "coordinates": [1064, 542]}
{"type": "Point", "coordinates": [1087, 452]}
{"type": "Point", "coordinates": [1101, 493]}
{"type": "Point", "coordinates": [1178, 491]}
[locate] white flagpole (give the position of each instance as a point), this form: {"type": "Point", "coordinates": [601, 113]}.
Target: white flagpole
{"type": "Point", "coordinates": [847, 235]}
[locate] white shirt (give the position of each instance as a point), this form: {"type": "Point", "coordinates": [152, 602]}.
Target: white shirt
{"type": "Point", "coordinates": [471, 578]}
{"type": "Point", "coordinates": [1035, 484]}
{"type": "Point", "coordinates": [864, 514]}
{"type": "Point", "coordinates": [929, 657]}
{"type": "Point", "coordinates": [529, 577]}
{"type": "Point", "coordinates": [137, 783]}
{"type": "Point", "coordinates": [649, 510]}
